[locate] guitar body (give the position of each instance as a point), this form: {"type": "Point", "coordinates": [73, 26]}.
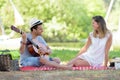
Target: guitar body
{"type": "Point", "coordinates": [34, 51]}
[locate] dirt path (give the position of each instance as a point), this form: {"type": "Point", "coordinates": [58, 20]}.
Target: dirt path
{"type": "Point", "coordinates": [61, 75]}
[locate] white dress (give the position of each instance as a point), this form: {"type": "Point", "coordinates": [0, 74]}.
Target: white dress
{"type": "Point", "coordinates": [96, 52]}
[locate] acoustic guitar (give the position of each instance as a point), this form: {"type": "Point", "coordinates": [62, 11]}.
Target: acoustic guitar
{"type": "Point", "coordinates": [33, 45]}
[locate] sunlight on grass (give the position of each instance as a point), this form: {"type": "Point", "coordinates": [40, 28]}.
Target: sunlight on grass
{"type": "Point", "coordinates": [64, 54]}
{"type": "Point", "coordinates": [65, 51]}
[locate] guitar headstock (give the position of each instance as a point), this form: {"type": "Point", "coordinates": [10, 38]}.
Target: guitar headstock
{"type": "Point", "coordinates": [16, 29]}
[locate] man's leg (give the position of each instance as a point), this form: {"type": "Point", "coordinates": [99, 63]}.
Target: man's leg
{"type": "Point", "coordinates": [57, 60]}
{"type": "Point", "coordinates": [54, 64]}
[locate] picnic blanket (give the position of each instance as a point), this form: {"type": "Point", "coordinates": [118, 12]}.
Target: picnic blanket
{"type": "Point", "coordinates": [44, 68]}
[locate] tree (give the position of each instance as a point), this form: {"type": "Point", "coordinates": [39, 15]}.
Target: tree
{"type": "Point", "coordinates": [71, 18]}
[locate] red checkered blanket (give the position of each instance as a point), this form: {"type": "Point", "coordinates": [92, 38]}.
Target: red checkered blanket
{"type": "Point", "coordinates": [44, 68]}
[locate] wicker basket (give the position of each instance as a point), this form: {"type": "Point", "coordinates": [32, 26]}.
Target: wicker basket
{"type": "Point", "coordinates": [14, 65]}
{"type": "Point", "coordinates": [5, 62]}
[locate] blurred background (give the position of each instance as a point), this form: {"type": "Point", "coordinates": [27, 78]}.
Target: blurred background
{"type": "Point", "coordinates": [67, 23]}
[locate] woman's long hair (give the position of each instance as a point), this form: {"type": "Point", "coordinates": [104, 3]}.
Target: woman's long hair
{"type": "Point", "coordinates": [102, 30]}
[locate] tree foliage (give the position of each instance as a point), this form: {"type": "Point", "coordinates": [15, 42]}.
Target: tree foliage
{"type": "Point", "coordinates": [64, 20]}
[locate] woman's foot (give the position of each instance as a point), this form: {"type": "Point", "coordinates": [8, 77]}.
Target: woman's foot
{"type": "Point", "coordinates": [64, 67]}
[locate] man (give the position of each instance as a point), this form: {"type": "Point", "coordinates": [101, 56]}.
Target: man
{"type": "Point", "coordinates": [26, 59]}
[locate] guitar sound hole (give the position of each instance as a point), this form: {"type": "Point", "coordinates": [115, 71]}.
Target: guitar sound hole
{"type": "Point", "coordinates": [32, 51]}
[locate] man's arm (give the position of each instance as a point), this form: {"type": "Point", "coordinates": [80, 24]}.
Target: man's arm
{"type": "Point", "coordinates": [49, 51]}
{"type": "Point", "coordinates": [23, 43]}
{"type": "Point", "coordinates": [41, 40]}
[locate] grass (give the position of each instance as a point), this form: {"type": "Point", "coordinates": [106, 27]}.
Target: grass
{"type": "Point", "coordinates": [63, 54]}
{"type": "Point", "coordinates": [65, 50]}
{"type": "Point", "coordinates": [67, 44]}
{"type": "Point", "coordinates": [15, 53]}
{"type": "Point", "coordinates": [115, 53]}
{"type": "Point", "coordinates": [66, 55]}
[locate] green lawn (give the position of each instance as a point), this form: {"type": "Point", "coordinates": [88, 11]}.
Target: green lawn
{"type": "Point", "coordinates": [64, 50]}
{"type": "Point", "coordinates": [63, 54]}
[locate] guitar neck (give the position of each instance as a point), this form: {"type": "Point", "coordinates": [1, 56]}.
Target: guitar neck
{"type": "Point", "coordinates": [33, 43]}
{"type": "Point", "coordinates": [20, 31]}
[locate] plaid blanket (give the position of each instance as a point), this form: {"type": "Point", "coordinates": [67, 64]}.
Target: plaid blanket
{"type": "Point", "coordinates": [44, 68]}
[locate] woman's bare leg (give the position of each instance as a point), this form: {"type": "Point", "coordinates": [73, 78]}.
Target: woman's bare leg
{"type": "Point", "coordinates": [78, 62]}
{"type": "Point", "coordinates": [81, 62]}
{"type": "Point", "coordinates": [71, 63]}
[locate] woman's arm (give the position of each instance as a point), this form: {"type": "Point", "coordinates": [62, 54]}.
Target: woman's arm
{"type": "Point", "coordinates": [108, 45]}
{"type": "Point", "coordinates": [85, 47]}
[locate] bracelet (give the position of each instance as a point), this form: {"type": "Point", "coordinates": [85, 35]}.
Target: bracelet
{"type": "Point", "coordinates": [23, 43]}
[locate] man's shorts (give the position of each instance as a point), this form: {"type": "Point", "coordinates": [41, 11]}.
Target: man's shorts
{"type": "Point", "coordinates": [32, 61]}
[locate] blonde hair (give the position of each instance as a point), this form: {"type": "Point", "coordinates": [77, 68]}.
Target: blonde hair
{"type": "Point", "coordinates": [102, 30]}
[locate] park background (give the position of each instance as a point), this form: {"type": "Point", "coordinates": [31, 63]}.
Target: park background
{"type": "Point", "coordinates": [67, 23]}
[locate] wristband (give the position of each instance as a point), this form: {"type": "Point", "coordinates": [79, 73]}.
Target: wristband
{"type": "Point", "coordinates": [23, 43]}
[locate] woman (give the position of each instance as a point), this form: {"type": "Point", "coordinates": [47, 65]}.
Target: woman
{"type": "Point", "coordinates": [96, 49]}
